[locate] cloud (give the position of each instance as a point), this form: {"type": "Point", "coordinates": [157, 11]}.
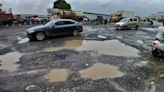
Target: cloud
{"type": "Point", "coordinates": [140, 7]}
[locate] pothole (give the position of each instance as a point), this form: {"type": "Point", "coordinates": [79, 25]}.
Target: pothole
{"type": "Point", "coordinates": [110, 47]}
{"type": "Point", "coordinates": [67, 45]}
{"type": "Point", "coordinates": [101, 71]}
{"type": "Point", "coordinates": [9, 61]}
{"type": "Point", "coordinates": [57, 75]}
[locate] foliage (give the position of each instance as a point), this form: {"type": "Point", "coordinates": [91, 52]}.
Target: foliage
{"type": "Point", "coordinates": [61, 4]}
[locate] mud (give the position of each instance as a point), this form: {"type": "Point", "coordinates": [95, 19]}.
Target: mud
{"type": "Point", "coordinates": [57, 75]}
{"type": "Point", "coordinates": [100, 71]}
{"type": "Point", "coordinates": [8, 61]}
{"type": "Point", "coordinates": [110, 47]}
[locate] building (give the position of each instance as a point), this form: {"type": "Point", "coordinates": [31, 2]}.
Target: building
{"type": "Point", "coordinates": [93, 16]}
{"type": "Point", "coordinates": [125, 13]}
{"type": "Point", "coordinates": [158, 15]}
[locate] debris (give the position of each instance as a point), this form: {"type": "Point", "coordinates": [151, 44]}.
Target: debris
{"type": "Point", "coordinates": [101, 36]}
{"type": "Point", "coordinates": [86, 65]}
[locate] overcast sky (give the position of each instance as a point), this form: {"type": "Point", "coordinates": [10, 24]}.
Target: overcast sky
{"type": "Point", "coordinates": [140, 7]}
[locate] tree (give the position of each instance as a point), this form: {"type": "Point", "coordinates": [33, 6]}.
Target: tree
{"type": "Point", "coordinates": [0, 8]}
{"type": "Point", "coordinates": [61, 4]}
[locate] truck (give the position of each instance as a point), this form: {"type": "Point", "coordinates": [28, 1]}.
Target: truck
{"type": "Point", "coordinates": [6, 18]}
{"type": "Point", "coordinates": [64, 13]}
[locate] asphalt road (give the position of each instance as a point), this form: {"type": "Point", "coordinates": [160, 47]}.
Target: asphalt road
{"type": "Point", "coordinates": [100, 60]}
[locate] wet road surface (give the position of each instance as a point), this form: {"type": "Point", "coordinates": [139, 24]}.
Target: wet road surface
{"type": "Point", "coordinates": [100, 60]}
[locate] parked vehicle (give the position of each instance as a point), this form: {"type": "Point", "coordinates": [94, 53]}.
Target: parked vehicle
{"type": "Point", "coordinates": [127, 23]}
{"type": "Point", "coordinates": [6, 18]}
{"type": "Point", "coordinates": [64, 13]}
{"type": "Point", "coordinates": [55, 28]}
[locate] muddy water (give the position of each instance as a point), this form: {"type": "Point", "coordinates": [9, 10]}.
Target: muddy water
{"type": "Point", "coordinates": [100, 71]}
{"type": "Point", "coordinates": [8, 61]}
{"type": "Point", "coordinates": [67, 45]}
{"type": "Point", "coordinates": [57, 75]}
{"type": "Point", "coordinates": [110, 47]}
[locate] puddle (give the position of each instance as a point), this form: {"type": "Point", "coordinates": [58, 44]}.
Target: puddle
{"type": "Point", "coordinates": [9, 61]}
{"type": "Point", "coordinates": [67, 45]}
{"type": "Point", "coordinates": [23, 40]}
{"type": "Point", "coordinates": [110, 47]}
{"type": "Point", "coordinates": [100, 71]}
{"type": "Point", "coordinates": [57, 75]}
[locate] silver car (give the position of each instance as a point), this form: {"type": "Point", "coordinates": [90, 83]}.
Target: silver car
{"type": "Point", "coordinates": [127, 23]}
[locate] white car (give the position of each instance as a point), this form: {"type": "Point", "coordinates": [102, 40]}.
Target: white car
{"type": "Point", "coordinates": [127, 23]}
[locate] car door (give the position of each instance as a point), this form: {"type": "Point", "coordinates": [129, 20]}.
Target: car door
{"type": "Point", "coordinates": [130, 23]}
{"type": "Point", "coordinates": [57, 28]}
{"type": "Point", "coordinates": [69, 27]}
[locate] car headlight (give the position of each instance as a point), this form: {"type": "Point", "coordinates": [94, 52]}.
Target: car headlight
{"type": "Point", "coordinates": [31, 31]}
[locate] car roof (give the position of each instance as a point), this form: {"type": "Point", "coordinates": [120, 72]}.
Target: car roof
{"type": "Point", "coordinates": [56, 20]}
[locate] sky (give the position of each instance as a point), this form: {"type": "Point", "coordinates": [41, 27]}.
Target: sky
{"type": "Point", "coordinates": [140, 7]}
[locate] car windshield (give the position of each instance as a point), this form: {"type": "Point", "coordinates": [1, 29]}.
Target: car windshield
{"type": "Point", "coordinates": [50, 23]}
{"type": "Point", "coordinates": [124, 20]}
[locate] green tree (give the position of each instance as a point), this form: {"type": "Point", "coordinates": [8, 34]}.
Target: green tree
{"type": "Point", "coordinates": [61, 4]}
{"type": "Point", "coordinates": [0, 8]}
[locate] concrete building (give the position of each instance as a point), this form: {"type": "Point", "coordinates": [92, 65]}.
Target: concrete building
{"type": "Point", "coordinates": [125, 13]}
{"type": "Point", "coordinates": [93, 16]}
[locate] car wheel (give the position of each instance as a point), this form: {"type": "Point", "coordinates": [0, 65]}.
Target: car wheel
{"type": "Point", "coordinates": [76, 33]}
{"type": "Point", "coordinates": [125, 28]}
{"type": "Point", "coordinates": [136, 27]}
{"type": "Point", "coordinates": [40, 36]}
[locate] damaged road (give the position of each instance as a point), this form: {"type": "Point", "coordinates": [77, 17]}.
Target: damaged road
{"type": "Point", "coordinates": [100, 60]}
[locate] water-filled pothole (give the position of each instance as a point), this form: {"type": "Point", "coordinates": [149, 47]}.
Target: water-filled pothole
{"type": "Point", "coordinates": [100, 71]}
{"type": "Point", "coordinates": [8, 61]}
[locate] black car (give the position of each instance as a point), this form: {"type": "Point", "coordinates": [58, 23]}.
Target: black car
{"type": "Point", "coordinates": [55, 28]}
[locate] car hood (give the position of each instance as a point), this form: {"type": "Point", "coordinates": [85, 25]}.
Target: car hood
{"type": "Point", "coordinates": [120, 23]}
{"type": "Point", "coordinates": [37, 28]}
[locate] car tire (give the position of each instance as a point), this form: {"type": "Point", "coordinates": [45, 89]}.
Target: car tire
{"type": "Point", "coordinates": [136, 28]}
{"type": "Point", "coordinates": [76, 33]}
{"type": "Point", "coordinates": [40, 36]}
{"type": "Point", "coordinates": [125, 28]}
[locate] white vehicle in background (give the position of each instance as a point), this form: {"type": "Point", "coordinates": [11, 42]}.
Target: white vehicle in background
{"type": "Point", "coordinates": [127, 23]}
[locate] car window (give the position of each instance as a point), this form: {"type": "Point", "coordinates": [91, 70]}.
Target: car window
{"type": "Point", "coordinates": [130, 20]}
{"type": "Point", "coordinates": [68, 22]}
{"type": "Point", "coordinates": [135, 19]}
{"type": "Point", "coordinates": [60, 23]}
